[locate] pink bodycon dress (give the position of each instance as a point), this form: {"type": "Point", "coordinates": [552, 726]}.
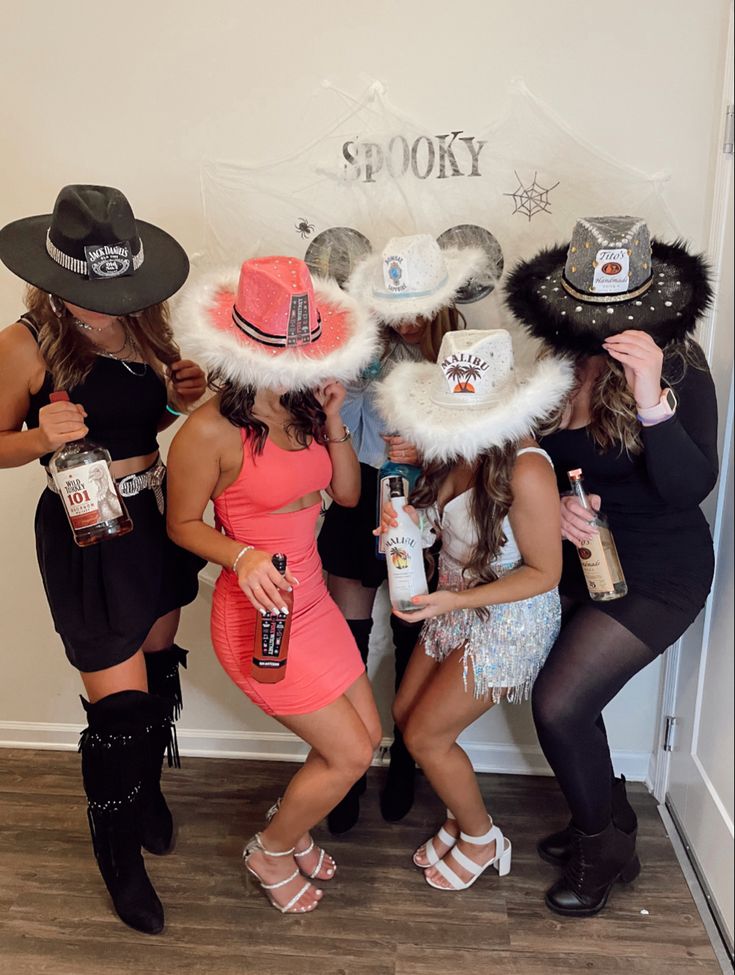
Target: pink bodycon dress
{"type": "Point", "coordinates": [323, 659]}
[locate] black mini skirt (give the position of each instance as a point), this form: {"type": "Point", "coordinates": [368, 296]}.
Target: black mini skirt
{"type": "Point", "coordinates": [104, 598]}
{"type": "Point", "coordinates": [346, 542]}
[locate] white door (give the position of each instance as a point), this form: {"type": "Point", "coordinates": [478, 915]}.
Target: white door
{"type": "Point", "coordinates": [699, 793]}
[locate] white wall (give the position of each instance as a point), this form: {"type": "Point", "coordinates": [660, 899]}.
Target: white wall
{"type": "Point", "coordinates": [134, 95]}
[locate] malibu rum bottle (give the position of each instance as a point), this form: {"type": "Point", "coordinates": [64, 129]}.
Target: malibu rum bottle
{"type": "Point", "coordinates": [81, 472]}
{"type": "Point", "coordinates": [410, 474]}
{"type": "Point", "coordinates": [404, 554]}
{"type": "Point", "coordinates": [272, 633]}
{"type": "Point", "coordinates": [598, 554]}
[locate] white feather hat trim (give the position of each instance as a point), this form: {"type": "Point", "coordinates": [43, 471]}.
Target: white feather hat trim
{"type": "Point", "coordinates": [244, 362]}
{"type": "Point", "coordinates": [413, 404]}
{"type": "Point", "coordinates": [366, 284]}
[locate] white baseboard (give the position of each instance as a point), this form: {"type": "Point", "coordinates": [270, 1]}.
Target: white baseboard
{"type": "Point", "coordinates": [280, 746]}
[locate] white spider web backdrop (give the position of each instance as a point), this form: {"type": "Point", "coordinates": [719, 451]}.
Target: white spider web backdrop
{"type": "Point", "coordinates": [525, 177]}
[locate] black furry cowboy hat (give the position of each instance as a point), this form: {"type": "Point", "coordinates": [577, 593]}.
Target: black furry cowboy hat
{"type": "Point", "coordinates": [92, 252]}
{"type": "Point", "coordinates": [610, 278]}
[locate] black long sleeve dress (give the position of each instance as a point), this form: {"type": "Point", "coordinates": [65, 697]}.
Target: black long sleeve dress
{"type": "Point", "coordinates": [652, 501]}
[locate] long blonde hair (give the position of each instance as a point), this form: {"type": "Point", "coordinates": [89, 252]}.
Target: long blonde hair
{"type": "Point", "coordinates": [68, 353]}
{"type": "Point", "coordinates": [614, 419]}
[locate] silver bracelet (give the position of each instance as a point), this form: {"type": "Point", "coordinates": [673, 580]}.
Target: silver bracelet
{"type": "Point", "coordinates": [243, 550]}
{"type": "Point", "coordinates": [347, 436]}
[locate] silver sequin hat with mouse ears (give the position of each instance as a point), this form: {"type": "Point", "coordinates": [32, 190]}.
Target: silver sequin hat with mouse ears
{"type": "Point", "coordinates": [476, 396]}
{"type": "Point", "coordinates": [611, 277]}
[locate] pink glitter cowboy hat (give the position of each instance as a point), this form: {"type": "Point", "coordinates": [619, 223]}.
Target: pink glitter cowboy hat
{"type": "Point", "coordinates": [274, 326]}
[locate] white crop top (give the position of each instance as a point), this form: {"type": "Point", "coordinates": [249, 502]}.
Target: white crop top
{"type": "Point", "coordinates": [459, 536]}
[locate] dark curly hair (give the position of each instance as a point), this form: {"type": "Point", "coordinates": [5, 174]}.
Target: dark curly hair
{"type": "Point", "coordinates": [236, 406]}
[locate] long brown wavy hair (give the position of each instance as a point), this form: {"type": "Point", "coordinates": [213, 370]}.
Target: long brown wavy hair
{"type": "Point", "coordinates": [614, 420]}
{"type": "Point", "coordinates": [236, 405]}
{"type": "Point", "coordinates": [68, 353]}
{"type": "Point", "coordinates": [446, 320]}
{"type": "Point", "coordinates": [491, 501]}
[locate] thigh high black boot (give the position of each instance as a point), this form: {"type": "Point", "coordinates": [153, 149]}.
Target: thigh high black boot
{"type": "Point", "coordinates": [163, 682]}
{"type": "Point", "coordinates": [557, 848]}
{"type": "Point", "coordinates": [397, 796]}
{"type": "Point", "coordinates": [114, 748]}
{"type": "Point", "coordinates": [347, 811]}
{"type": "Point", "coordinates": [596, 864]}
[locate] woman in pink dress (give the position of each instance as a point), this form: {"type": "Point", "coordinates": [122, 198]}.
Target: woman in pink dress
{"type": "Point", "coordinates": [276, 344]}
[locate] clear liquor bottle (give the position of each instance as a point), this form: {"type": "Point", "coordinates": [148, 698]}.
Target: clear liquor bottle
{"type": "Point", "coordinates": [81, 472]}
{"type": "Point", "coordinates": [404, 554]}
{"type": "Point", "coordinates": [272, 634]}
{"type": "Point", "coordinates": [603, 572]}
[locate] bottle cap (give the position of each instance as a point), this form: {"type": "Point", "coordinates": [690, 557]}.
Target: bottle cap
{"type": "Point", "coordinates": [395, 487]}
{"type": "Point", "coordinates": [279, 560]}
{"type": "Point", "coordinates": [59, 396]}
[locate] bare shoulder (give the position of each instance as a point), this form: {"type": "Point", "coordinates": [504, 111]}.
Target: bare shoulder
{"type": "Point", "coordinates": [18, 349]}
{"type": "Point", "coordinates": [532, 473]}
{"type": "Point", "coordinates": [206, 429]}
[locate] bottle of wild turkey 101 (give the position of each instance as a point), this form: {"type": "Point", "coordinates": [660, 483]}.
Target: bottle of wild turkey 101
{"type": "Point", "coordinates": [272, 633]}
{"type": "Point", "coordinates": [598, 554]}
{"type": "Point", "coordinates": [81, 472]}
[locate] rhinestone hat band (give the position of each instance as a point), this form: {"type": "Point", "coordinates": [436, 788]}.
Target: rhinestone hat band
{"type": "Point", "coordinates": [77, 266]}
{"type": "Point", "coordinates": [608, 299]}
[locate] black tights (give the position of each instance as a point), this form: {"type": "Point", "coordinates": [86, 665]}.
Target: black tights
{"type": "Point", "coordinates": [592, 660]}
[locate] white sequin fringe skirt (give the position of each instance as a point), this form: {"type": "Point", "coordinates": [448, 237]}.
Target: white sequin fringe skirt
{"type": "Point", "coordinates": [504, 651]}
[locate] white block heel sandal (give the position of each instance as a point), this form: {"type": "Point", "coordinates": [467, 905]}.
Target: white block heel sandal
{"type": "Point", "coordinates": [500, 860]}
{"type": "Point", "coordinates": [432, 857]}
{"type": "Point", "coordinates": [255, 846]}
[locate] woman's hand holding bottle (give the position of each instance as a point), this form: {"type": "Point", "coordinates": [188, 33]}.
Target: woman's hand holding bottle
{"type": "Point", "coordinates": [262, 583]}
{"type": "Point", "coordinates": [576, 525]}
{"type": "Point", "coordinates": [401, 451]}
{"type": "Point", "coordinates": [60, 423]}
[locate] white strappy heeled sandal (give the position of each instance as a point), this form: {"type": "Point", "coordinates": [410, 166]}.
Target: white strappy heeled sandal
{"type": "Point", "coordinates": [431, 855]}
{"type": "Point", "coordinates": [500, 860]}
{"type": "Point", "coordinates": [298, 855]}
{"type": "Point", "coordinates": [254, 845]}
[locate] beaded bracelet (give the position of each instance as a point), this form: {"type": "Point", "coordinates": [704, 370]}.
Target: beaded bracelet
{"type": "Point", "coordinates": [243, 550]}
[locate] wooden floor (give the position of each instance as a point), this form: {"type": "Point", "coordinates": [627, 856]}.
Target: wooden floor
{"type": "Point", "coordinates": [377, 918]}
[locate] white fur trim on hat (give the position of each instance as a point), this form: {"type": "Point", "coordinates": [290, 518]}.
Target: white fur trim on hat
{"type": "Point", "coordinates": [452, 433]}
{"type": "Point", "coordinates": [463, 264]}
{"type": "Point", "coordinates": [245, 363]}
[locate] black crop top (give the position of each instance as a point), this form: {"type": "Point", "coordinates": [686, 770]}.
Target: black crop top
{"type": "Point", "coordinates": [123, 410]}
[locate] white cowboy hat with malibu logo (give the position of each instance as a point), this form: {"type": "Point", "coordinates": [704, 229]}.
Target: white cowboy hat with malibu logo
{"type": "Point", "coordinates": [473, 398]}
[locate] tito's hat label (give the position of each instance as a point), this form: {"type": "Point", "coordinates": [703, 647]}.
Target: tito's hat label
{"type": "Point", "coordinates": [612, 271]}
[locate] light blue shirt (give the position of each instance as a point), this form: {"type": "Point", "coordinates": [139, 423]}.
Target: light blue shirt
{"type": "Point", "coordinates": [360, 410]}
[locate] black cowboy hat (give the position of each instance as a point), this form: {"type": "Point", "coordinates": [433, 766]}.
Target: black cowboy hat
{"type": "Point", "coordinates": [92, 252]}
{"type": "Point", "coordinates": [553, 293]}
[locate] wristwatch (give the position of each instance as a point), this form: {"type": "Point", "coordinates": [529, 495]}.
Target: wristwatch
{"type": "Point", "coordinates": [663, 410]}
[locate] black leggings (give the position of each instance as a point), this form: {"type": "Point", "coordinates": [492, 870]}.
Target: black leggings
{"type": "Point", "coordinates": [593, 658]}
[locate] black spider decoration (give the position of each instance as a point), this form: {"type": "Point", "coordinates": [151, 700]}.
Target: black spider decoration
{"type": "Point", "coordinates": [304, 228]}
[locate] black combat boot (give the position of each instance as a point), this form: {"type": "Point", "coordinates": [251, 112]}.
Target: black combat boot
{"type": "Point", "coordinates": [597, 862]}
{"type": "Point", "coordinates": [557, 848]}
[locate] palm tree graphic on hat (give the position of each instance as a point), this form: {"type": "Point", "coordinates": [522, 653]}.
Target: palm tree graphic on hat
{"type": "Point", "coordinates": [458, 373]}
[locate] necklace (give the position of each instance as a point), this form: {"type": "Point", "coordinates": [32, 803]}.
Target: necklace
{"type": "Point", "coordinates": [130, 343]}
{"type": "Point", "coordinates": [87, 328]}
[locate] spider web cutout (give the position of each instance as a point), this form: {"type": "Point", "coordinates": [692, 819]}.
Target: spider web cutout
{"type": "Point", "coordinates": [533, 199]}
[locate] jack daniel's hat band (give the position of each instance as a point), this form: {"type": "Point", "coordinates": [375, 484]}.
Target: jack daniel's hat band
{"type": "Point", "coordinates": [93, 252]}
{"type": "Point", "coordinates": [102, 260]}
